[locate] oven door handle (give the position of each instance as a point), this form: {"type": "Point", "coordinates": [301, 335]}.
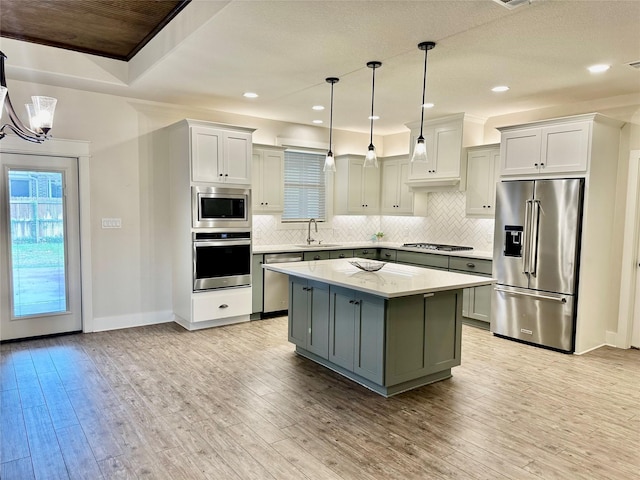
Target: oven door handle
{"type": "Point", "coordinates": [220, 243]}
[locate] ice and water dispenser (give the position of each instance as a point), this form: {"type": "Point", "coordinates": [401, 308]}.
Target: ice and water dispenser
{"type": "Point", "coordinates": [513, 240]}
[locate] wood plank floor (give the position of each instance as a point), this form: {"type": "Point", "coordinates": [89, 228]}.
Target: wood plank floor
{"type": "Point", "coordinates": [236, 403]}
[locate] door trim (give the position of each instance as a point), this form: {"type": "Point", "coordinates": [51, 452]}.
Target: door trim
{"type": "Point", "coordinates": [80, 150]}
{"type": "Point", "coordinates": [629, 254]}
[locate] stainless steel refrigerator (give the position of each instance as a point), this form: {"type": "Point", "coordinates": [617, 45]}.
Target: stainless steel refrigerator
{"type": "Point", "coordinates": [536, 261]}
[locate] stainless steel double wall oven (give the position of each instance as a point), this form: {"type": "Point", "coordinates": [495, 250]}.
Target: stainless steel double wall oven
{"type": "Point", "coordinates": [221, 219]}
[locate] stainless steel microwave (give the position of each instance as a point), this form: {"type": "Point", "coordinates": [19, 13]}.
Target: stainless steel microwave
{"type": "Point", "coordinates": [220, 207]}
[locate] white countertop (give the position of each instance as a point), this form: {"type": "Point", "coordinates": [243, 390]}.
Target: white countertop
{"type": "Point", "coordinates": [393, 280]}
{"type": "Point", "coordinates": [260, 249]}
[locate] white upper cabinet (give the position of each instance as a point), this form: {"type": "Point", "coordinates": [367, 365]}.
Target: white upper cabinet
{"type": "Point", "coordinates": [554, 147]}
{"type": "Point", "coordinates": [444, 138]}
{"type": "Point", "coordinates": [268, 179]}
{"type": "Point", "coordinates": [357, 189]}
{"type": "Point", "coordinates": [396, 198]}
{"type": "Point", "coordinates": [483, 163]}
{"type": "Point", "coordinates": [220, 155]}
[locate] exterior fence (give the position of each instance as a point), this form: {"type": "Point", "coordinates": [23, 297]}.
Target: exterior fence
{"type": "Point", "coordinates": [36, 219]}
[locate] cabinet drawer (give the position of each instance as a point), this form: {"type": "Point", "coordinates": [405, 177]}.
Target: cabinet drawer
{"type": "Point", "coordinates": [316, 255]}
{"type": "Point", "coordinates": [470, 265]}
{"type": "Point", "coordinates": [366, 253]}
{"type": "Point", "coordinates": [341, 254]}
{"type": "Point", "coordinates": [223, 303]}
{"type": "Point", "coordinates": [423, 259]}
{"type": "Point", "coordinates": [387, 255]}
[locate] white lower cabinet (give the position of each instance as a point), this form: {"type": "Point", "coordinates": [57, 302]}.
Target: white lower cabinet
{"type": "Point", "coordinates": [221, 303]}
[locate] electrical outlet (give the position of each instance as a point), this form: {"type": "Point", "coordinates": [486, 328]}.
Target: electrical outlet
{"type": "Point", "coordinates": [111, 223]}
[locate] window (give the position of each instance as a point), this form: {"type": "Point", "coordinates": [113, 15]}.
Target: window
{"type": "Point", "coordinates": [304, 186]}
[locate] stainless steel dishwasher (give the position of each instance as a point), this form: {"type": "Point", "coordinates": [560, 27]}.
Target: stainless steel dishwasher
{"type": "Point", "coordinates": [276, 285]}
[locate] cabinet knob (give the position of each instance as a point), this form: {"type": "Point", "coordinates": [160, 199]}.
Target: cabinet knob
{"type": "Point", "coordinates": [542, 165]}
{"type": "Point", "coordinates": [388, 255]}
{"type": "Point", "coordinates": [226, 174]}
{"type": "Point", "coordinates": [220, 174]}
{"type": "Point", "coordinates": [535, 164]}
{"type": "Point", "coordinates": [341, 255]}
{"type": "Point", "coordinates": [351, 301]}
{"type": "Point", "coordinates": [471, 265]}
{"type": "Point", "coordinates": [266, 203]}
{"type": "Point", "coordinates": [224, 305]}
{"type": "Point", "coordinates": [356, 303]}
{"type": "Point", "coordinates": [364, 252]}
{"type": "Point", "coordinates": [316, 257]}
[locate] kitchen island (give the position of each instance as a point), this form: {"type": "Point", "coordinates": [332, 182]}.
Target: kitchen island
{"type": "Point", "coordinates": [391, 330]}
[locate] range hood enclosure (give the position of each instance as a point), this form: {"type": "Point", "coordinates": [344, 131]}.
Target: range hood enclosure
{"type": "Point", "coordinates": [445, 139]}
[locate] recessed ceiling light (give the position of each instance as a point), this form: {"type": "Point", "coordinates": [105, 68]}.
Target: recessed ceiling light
{"type": "Point", "coordinates": [501, 88]}
{"type": "Point", "coordinates": [318, 121]}
{"type": "Point", "coordinates": [374, 117]}
{"type": "Point", "coordinates": [317, 107]}
{"type": "Point", "coordinates": [250, 95]}
{"type": "Point", "coordinates": [599, 68]}
{"type": "Point", "coordinates": [428, 105]}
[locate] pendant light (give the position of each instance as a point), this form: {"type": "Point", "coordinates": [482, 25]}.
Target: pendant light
{"type": "Point", "coordinates": [371, 159]}
{"type": "Point", "coordinates": [329, 162]}
{"type": "Point", "coordinates": [420, 148]}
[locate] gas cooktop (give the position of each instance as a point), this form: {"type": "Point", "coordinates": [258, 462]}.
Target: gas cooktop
{"type": "Point", "coordinates": [438, 246]}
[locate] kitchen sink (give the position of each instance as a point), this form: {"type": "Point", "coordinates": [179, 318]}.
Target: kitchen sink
{"type": "Point", "coordinates": [321, 245]}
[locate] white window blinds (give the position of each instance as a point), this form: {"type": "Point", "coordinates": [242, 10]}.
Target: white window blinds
{"type": "Point", "coordinates": [304, 186]}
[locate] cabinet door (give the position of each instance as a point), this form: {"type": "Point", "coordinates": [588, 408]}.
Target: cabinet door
{"type": "Point", "coordinates": [257, 203]}
{"type": "Point", "coordinates": [340, 253]}
{"type": "Point", "coordinates": [387, 255]}
{"type": "Point", "coordinates": [520, 151]}
{"type": "Point", "coordinates": [443, 312]}
{"type": "Point", "coordinates": [298, 311]}
{"type": "Point", "coordinates": [429, 260]}
{"type": "Point", "coordinates": [371, 253]}
{"type": "Point", "coordinates": [237, 158]}
{"type": "Point", "coordinates": [316, 255]}
{"type": "Point", "coordinates": [405, 195]}
{"type": "Point", "coordinates": [448, 148]}
{"type": "Point", "coordinates": [371, 191]}
{"type": "Point", "coordinates": [318, 324]}
{"type": "Point", "coordinates": [565, 148]}
{"type": "Point", "coordinates": [390, 200]}
{"type": "Point", "coordinates": [206, 154]}
{"type": "Point", "coordinates": [268, 181]}
{"type": "Point", "coordinates": [369, 337]}
{"type": "Point", "coordinates": [478, 303]}
{"type": "Point", "coordinates": [480, 180]}
{"type": "Point", "coordinates": [342, 327]}
{"type": "Point", "coordinates": [355, 189]}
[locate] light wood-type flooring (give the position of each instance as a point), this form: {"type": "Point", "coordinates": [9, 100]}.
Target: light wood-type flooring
{"type": "Point", "coordinates": [237, 403]}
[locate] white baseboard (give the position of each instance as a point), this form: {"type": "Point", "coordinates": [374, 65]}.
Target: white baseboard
{"type": "Point", "coordinates": [210, 323]}
{"type": "Point", "coordinates": [611, 338]}
{"type": "Point", "coordinates": [101, 324]}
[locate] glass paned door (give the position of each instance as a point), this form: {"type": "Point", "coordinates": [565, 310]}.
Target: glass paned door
{"type": "Point", "coordinates": [37, 242]}
{"type": "Point", "coordinates": [40, 286]}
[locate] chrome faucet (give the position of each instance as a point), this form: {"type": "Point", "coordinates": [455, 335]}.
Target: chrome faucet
{"type": "Point", "coordinates": [309, 239]}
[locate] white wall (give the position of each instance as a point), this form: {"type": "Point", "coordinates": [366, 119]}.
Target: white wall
{"type": "Point", "coordinates": [129, 180]}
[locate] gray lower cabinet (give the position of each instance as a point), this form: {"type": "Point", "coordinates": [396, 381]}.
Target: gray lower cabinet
{"type": "Point", "coordinates": [341, 254]}
{"type": "Point", "coordinates": [388, 345]}
{"type": "Point", "coordinates": [430, 260]}
{"type": "Point", "coordinates": [371, 253]}
{"type": "Point", "coordinates": [387, 254]}
{"type": "Point", "coordinates": [257, 284]}
{"type": "Point", "coordinates": [477, 300]}
{"type": "Point", "coordinates": [317, 255]}
{"type": "Point", "coordinates": [356, 333]}
{"type": "Point", "coordinates": [309, 315]}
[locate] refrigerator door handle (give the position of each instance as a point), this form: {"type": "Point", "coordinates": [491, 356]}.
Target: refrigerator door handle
{"type": "Point", "coordinates": [535, 225]}
{"type": "Point", "coordinates": [526, 241]}
{"type": "Point", "coordinates": [534, 295]}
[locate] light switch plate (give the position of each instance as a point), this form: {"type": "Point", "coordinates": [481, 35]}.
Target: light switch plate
{"type": "Point", "coordinates": [111, 223]}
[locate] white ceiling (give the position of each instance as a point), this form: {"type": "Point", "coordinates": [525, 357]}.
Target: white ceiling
{"type": "Point", "coordinates": [213, 51]}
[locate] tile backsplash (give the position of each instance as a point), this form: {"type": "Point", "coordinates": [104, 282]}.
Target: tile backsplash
{"type": "Point", "coordinates": [445, 223]}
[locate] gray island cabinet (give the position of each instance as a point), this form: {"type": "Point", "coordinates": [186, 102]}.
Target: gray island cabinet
{"type": "Point", "coordinates": [391, 330]}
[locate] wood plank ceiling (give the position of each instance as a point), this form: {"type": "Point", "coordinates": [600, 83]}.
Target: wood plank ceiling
{"type": "Point", "coordinates": [112, 29]}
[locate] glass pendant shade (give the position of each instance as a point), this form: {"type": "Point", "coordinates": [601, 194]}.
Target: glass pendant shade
{"type": "Point", "coordinates": [33, 119]}
{"type": "Point", "coordinates": [329, 163]}
{"type": "Point", "coordinates": [44, 107]}
{"type": "Point", "coordinates": [371, 159]}
{"type": "Point", "coordinates": [3, 93]}
{"type": "Point", "coordinates": [420, 151]}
